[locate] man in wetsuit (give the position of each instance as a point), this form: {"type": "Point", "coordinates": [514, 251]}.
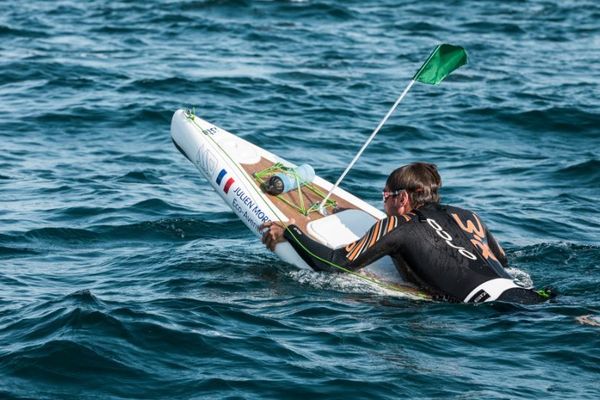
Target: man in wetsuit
{"type": "Point", "coordinates": [445, 250]}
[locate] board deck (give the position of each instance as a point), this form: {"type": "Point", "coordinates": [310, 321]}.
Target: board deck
{"type": "Point", "coordinates": [308, 196]}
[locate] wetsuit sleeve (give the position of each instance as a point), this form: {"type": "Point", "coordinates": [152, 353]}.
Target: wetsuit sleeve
{"type": "Point", "coordinates": [318, 256]}
{"type": "Point", "coordinates": [376, 243]}
{"type": "Point", "coordinates": [496, 248]}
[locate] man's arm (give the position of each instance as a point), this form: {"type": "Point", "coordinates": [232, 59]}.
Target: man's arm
{"type": "Point", "coordinates": [318, 256]}
{"type": "Point", "coordinates": [496, 248]}
{"type": "Point", "coordinates": [376, 243]}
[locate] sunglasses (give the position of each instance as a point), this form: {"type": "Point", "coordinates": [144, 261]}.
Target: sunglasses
{"type": "Point", "coordinates": [387, 195]}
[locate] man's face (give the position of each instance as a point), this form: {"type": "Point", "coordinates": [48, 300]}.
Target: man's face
{"type": "Point", "coordinates": [395, 203]}
{"type": "Point", "coordinates": [389, 203]}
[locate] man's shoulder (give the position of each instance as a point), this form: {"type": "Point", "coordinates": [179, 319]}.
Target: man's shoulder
{"type": "Point", "coordinates": [446, 208]}
{"type": "Point", "coordinates": [456, 210]}
{"type": "Point", "coordinates": [453, 212]}
{"type": "Point", "coordinates": [461, 214]}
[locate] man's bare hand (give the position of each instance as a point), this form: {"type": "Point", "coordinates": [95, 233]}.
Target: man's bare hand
{"type": "Point", "coordinates": [273, 233]}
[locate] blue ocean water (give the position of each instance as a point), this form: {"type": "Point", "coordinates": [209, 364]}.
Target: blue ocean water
{"type": "Point", "coordinates": [122, 275]}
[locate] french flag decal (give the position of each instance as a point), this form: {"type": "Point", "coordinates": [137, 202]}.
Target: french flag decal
{"type": "Point", "coordinates": [228, 182]}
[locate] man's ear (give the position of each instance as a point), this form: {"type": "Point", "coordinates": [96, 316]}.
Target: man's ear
{"type": "Point", "coordinates": [403, 204]}
{"type": "Point", "coordinates": [404, 200]}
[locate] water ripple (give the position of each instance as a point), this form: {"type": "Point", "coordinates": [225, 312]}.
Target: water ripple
{"type": "Point", "coordinates": [123, 275]}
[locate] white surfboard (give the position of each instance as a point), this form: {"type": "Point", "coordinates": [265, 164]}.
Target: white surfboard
{"type": "Point", "coordinates": [235, 167]}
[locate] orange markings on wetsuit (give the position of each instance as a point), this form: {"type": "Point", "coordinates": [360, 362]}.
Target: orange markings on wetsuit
{"type": "Point", "coordinates": [378, 230]}
{"type": "Point", "coordinates": [375, 233]}
{"type": "Point", "coordinates": [486, 252]}
{"type": "Point", "coordinates": [478, 233]}
{"type": "Point", "coordinates": [356, 250]}
{"type": "Point", "coordinates": [470, 228]}
{"type": "Point", "coordinates": [391, 224]}
{"type": "Point", "coordinates": [351, 246]}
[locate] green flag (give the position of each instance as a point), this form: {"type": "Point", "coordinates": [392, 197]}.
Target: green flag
{"type": "Point", "coordinates": [444, 59]}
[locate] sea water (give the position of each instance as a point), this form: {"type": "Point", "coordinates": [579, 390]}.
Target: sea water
{"type": "Point", "coordinates": [123, 275]}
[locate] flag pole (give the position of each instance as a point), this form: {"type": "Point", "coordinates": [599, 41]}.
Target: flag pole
{"type": "Point", "coordinates": [444, 59]}
{"type": "Point", "coordinates": [369, 140]}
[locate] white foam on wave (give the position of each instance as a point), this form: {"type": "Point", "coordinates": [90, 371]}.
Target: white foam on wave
{"type": "Point", "coordinates": [342, 282]}
{"type": "Point", "coordinates": [521, 277]}
{"type": "Point", "coordinates": [353, 284]}
{"type": "Point", "coordinates": [591, 320]}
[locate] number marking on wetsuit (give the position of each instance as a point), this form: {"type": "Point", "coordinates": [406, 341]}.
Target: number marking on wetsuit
{"type": "Point", "coordinates": [446, 236]}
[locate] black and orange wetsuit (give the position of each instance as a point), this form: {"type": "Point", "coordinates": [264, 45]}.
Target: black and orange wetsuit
{"type": "Point", "coordinates": [445, 250]}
